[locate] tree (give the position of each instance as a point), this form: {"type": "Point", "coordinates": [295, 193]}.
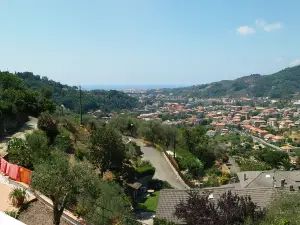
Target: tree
{"type": "Point", "coordinates": [29, 151]}
{"type": "Point", "coordinates": [18, 152]}
{"type": "Point", "coordinates": [283, 210]}
{"type": "Point", "coordinates": [192, 164]}
{"type": "Point", "coordinates": [107, 149]}
{"type": "Point", "coordinates": [275, 158]}
{"type": "Point", "coordinates": [68, 183]}
{"type": "Point", "coordinates": [157, 221]}
{"type": "Point", "coordinates": [58, 180]}
{"type": "Point", "coordinates": [37, 143]}
{"type": "Point", "coordinates": [229, 209]}
{"type": "Point", "coordinates": [48, 124]}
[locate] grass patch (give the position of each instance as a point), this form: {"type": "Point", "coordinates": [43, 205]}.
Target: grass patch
{"type": "Point", "coordinates": [159, 148]}
{"type": "Point", "coordinates": [144, 167]}
{"type": "Point", "coordinates": [150, 202]}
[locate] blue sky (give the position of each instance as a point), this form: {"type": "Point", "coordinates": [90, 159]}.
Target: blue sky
{"type": "Point", "coordinates": [148, 41]}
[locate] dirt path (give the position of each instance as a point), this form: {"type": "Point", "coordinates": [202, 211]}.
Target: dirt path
{"type": "Point", "coordinates": [28, 127]}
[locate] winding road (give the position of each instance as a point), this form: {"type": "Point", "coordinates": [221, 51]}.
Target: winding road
{"type": "Point", "coordinates": [163, 170]}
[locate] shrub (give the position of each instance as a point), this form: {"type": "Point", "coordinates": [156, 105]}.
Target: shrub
{"type": "Point", "coordinates": [64, 143]}
{"type": "Point", "coordinates": [81, 153]}
{"type": "Point", "coordinates": [145, 169]}
{"type": "Point", "coordinates": [12, 213]}
{"type": "Point", "coordinates": [48, 124]}
{"type": "Point", "coordinates": [166, 185]}
{"type": "Point", "coordinates": [37, 143]}
{"type": "Point", "coordinates": [192, 164]}
{"type": "Point", "coordinates": [17, 196]}
{"type": "Point", "coordinates": [224, 179]}
{"type": "Point", "coordinates": [158, 221]}
{"type": "Point", "coordinates": [108, 176]}
{"type": "Point", "coordinates": [19, 153]}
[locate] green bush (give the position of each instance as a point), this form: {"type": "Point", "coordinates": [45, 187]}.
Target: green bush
{"type": "Point", "coordinates": [19, 153]}
{"type": "Point", "coordinates": [224, 179]}
{"type": "Point", "coordinates": [64, 143]}
{"type": "Point", "coordinates": [48, 124]}
{"type": "Point", "coordinates": [158, 221]}
{"type": "Point", "coordinates": [12, 213]}
{"type": "Point", "coordinates": [192, 164]}
{"type": "Point", "coordinates": [37, 143]}
{"type": "Point", "coordinates": [81, 153]}
{"type": "Point", "coordinates": [145, 169]}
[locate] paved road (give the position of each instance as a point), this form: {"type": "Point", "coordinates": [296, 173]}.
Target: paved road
{"type": "Point", "coordinates": [163, 171]}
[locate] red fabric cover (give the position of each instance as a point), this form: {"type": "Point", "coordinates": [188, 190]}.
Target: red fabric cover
{"type": "Point", "coordinates": [3, 165]}
{"type": "Point", "coordinates": [14, 172]}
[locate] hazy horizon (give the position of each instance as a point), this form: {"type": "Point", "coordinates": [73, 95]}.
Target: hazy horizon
{"type": "Point", "coordinates": [130, 86]}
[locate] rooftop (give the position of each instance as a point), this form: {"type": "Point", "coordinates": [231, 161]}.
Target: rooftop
{"type": "Point", "coordinates": [170, 198]}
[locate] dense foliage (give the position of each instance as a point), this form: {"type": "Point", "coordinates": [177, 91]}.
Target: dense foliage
{"type": "Point", "coordinates": [69, 96]}
{"type": "Point", "coordinates": [17, 102]}
{"type": "Point", "coordinates": [68, 183]}
{"type": "Point", "coordinates": [229, 209]}
{"type": "Point", "coordinates": [278, 85]}
{"type": "Point", "coordinates": [195, 152]}
{"type": "Point", "coordinates": [283, 210]}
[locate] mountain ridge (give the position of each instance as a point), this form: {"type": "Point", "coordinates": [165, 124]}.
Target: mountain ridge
{"type": "Point", "coordinates": [68, 96]}
{"type": "Point", "coordinates": [282, 84]}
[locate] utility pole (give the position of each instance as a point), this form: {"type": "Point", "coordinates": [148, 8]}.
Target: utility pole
{"type": "Point", "coordinates": [80, 102]}
{"type": "Point", "coordinates": [174, 144]}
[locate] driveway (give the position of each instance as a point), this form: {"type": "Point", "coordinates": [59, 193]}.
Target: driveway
{"type": "Point", "coordinates": [163, 170]}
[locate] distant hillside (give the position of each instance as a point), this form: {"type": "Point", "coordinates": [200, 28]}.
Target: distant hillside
{"type": "Point", "coordinates": [69, 96]}
{"type": "Point", "coordinates": [18, 102]}
{"type": "Point", "coordinates": [282, 84]}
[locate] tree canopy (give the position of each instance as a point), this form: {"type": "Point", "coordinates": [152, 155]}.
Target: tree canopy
{"type": "Point", "coordinates": [70, 183]}
{"type": "Point", "coordinates": [227, 210]}
{"type": "Point", "coordinates": [69, 96]}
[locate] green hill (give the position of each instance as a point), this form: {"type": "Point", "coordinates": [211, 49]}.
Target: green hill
{"type": "Point", "coordinates": [18, 102]}
{"type": "Point", "coordinates": [69, 96]}
{"type": "Point", "coordinates": [282, 84]}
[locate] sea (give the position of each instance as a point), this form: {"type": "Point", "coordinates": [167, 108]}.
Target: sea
{"type": "Point", "coordinates": [130, 86]}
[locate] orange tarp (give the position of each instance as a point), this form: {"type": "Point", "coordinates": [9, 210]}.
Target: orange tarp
{"type": "Point", "coordinates": [25, 175]}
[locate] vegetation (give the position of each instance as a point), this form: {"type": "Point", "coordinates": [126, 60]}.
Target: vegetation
{"type": "Point", "coordinates": [29, 151]}
{"type": "Point", "coordinates": [229, 209]}
{"type": "Point", "coordinates": [194, 150]}
{"type": "Point", "coordinates": [157, 221]}
{"type": "Point", "coordinates": [68, 183]}
{"type": "Point", "coordinates": [69, 96]}
{"type": "Point", "coordinates": [17, 102]}
{"type": "Point", "coordinates": [150, 202]}
{"type": "Point", "coordinates": [12, 213]}
{"type": "Point", "coordinates": [284, 210]}
{"type": "Point", "coordinates": [278, 85]}
{"type": "Point", "coordinates": [17, 196]}
{"type": "Point", "coordinates": [47, 124]}
{"type": "Point", "coordinates": [145, 169]}
{"type": "Point", "coordinates": [107, 150]}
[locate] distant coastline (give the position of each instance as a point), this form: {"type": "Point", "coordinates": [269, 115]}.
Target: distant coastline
{"type": "Point", "coordinates": [131, 86]}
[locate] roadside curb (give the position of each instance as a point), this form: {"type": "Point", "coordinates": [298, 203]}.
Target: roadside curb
{"type": "Point", "coordinates": [175, 171]}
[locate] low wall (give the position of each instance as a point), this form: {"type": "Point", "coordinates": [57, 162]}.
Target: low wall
{"type": "Point", "coordinates": [176, 170]}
